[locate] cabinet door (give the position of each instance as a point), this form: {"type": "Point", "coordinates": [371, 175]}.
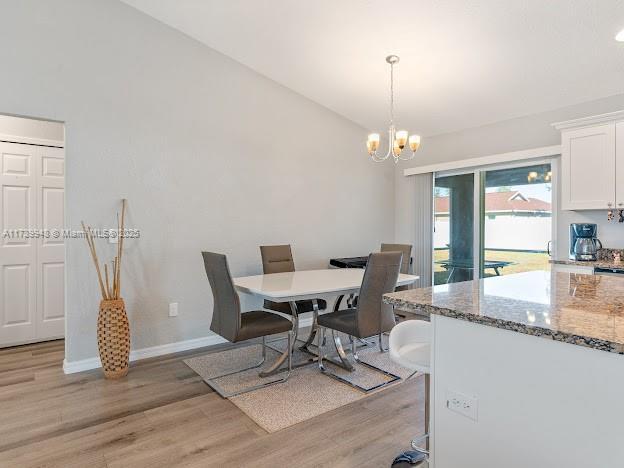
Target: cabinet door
{"type": "Point", "coordinates": [588, 168]}
{"type": "Point", "coordinates": [619, 164]}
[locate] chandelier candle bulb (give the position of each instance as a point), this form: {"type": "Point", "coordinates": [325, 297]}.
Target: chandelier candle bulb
{"type": "Point", "coordinates": [396, 148]}
{"type": "Point", "coordinates": [373, 142]}
{"type": "Point", "coordinates": [414, 142]}
{"type": "Point", "coordinates": [401, 138]}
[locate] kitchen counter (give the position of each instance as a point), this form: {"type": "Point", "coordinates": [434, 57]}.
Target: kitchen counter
{"type": "Point", "coordinates": [498, 386]}
{"type": "Point", "coordinates": [583, 310]}
{"type": "Point", "coordinates": [594, 264]}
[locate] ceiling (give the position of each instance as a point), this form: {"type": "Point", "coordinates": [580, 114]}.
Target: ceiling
{"type": "Point", "coordinates": [463, 63]}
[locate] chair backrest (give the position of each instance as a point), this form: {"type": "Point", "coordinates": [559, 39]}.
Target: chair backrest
{"type": "Point", "coordinates": [405, 249]}
{"type": "Point", "coordinates": [380, 277]}
{"type": "Point", "coordinates": [226, 314]}
{"type": "Point", "coordinates": [277, 259]}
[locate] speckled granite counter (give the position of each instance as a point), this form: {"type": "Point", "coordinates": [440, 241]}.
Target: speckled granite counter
{"type": "Point", "coordinates": [584, 310]}
{"type": "Point", "coordinates": [598, 263]}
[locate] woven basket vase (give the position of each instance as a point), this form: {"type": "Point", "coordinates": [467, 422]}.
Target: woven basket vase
{"type": "Point", "coordinates": [113, 336]}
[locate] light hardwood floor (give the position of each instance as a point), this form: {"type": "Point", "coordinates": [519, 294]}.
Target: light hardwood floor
{"type": "Point", "coordinates": [163, 415]}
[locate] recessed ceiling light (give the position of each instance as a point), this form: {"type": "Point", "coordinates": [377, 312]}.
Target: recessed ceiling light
{"type": "Point", "coordinates": [620, 36]}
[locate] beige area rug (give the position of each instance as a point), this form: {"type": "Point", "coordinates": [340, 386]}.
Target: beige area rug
{"type": "Point", "coordinates": [306, 394]}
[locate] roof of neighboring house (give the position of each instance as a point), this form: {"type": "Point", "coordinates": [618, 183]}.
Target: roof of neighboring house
{"type": "Point", "coordinates": [501, 201]}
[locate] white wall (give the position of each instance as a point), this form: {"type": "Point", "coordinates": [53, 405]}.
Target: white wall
{"type": "Point", "coordinates": [511, 135]}
{"type": "Point", "coordinates": [209, 154]}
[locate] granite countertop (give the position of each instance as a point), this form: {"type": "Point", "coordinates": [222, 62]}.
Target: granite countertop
{"type": "Point", "coordinates": [591, 264]}
{"type": "Point", "coordinates": [585, 310]}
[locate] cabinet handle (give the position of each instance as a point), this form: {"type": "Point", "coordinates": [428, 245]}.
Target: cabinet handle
{"type": "Point", "coordinates": [609, 204]}
{"type": "Point", "coordinates": [620, 204]}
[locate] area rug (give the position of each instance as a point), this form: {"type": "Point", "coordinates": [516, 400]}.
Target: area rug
{"type": "Point", "coordinates": [306, 394]}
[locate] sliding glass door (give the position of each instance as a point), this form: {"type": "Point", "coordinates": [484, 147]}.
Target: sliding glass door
{"type": "Point", "coordinates": [516, 219]}
{"type": "Point", "coordinates": [493, 221]}
{"type": "Point", "coordinates": [453, 236]}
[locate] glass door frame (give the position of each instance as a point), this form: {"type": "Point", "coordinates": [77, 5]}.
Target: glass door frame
{"type": "Point", "coordinates": [479, 207]}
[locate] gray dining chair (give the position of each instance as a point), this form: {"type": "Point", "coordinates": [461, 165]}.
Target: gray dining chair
{"type": "Point", "coordinates": [279, 259]}
{"type": "Point", "coordinates": [368, 318]}
{"type": "Point", "coordinates": [406, 250]}
{"type": "Point", "coordinates": [229, 322]}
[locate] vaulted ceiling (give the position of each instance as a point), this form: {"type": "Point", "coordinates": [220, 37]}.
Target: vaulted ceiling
{"type": "Point", "coordinates": [463, 63]}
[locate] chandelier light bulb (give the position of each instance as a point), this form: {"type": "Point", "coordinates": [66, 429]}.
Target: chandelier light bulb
{"type": "Point", "coordinates": [401, 138]}
{"type": "Point", "coordinates": [414, 142]}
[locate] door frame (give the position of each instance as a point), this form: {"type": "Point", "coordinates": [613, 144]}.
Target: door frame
{"type": "Point", "coordinates": [45, 143]}
{"type": "Point", "coordinates": [478, 172]}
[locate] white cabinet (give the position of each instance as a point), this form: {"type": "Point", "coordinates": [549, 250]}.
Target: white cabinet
{"type": "Point", "coordinates": [619, 165]}
{"type": "Point", "coordinates": [592, 162]}
{"type": "Point", "coordinates": [588, 168]}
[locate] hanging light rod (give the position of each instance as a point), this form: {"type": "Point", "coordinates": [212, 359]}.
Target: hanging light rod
{"type": "Point", "coordinates": [397, 140]}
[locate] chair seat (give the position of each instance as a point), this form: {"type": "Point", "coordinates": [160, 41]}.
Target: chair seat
{"type": "Point", "coordinates": [343, 321]}
{"type": "Point", "coordinates": [302, 306]}
{"type": "Point", "coordinates": [261, 323]}
{"type": "Point", "coordinates": [414, 356]}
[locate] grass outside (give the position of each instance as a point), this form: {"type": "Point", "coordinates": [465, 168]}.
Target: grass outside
{"type": "Point", "coordinates": [523, 261]}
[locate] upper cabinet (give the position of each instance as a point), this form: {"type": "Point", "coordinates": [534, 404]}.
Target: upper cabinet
{"type": "Point", "coordinates": [592, 162]}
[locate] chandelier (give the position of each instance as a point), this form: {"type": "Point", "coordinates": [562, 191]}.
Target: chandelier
{"type": "Point", "coordinates": [397, 140]}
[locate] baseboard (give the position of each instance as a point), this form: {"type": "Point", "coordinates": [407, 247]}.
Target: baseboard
{"type": "Point", "coordinates": [144, 353]}
{"type": "Point", "coordinates": [154, 351]}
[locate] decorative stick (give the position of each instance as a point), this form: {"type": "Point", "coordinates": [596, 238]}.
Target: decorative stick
{"type": "Point", "coordinates": [121, 242]}
{"type": "Point", "coordinates": [115, 295]}
{"type": "Point", "coordinates": [108, 289]}
{"type": "Point", "coordinates": [89, 237]}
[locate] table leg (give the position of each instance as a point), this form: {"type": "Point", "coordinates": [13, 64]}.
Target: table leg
{"type": "Point", "coordinates": [274, 369]}
{"type": "Point", "coordinates": [314, 328]}
{"type": "Point", "coordinates": [496, 271]}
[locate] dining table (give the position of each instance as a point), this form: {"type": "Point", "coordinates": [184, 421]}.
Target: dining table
{"type": "Point", "coordinates": [311, 285]}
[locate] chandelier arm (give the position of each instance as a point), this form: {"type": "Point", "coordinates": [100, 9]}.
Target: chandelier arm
{"type": "Point", "coordinates": [412, 156]}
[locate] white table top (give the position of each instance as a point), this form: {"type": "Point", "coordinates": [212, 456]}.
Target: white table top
{"type": "Point", "coordinates": [307, 284]}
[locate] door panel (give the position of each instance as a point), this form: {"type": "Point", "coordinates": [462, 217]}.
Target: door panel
{"type": "Point", "coordinates": [18, 254]}
{"type": "Point", "coordinates": [51, 249]}
{"type": "Point", "coordinates": [453, 228]}
{"type": "Point", "coordinates": [16, 289]}
{"type": "Point", "coordinates": [52, 291]}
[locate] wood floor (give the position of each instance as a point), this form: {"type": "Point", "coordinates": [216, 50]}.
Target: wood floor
{"type": "Point", "coordinates": [163, 415]}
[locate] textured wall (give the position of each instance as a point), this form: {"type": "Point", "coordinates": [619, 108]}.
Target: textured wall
{"type": "Point", "coordinates": [209, 154]}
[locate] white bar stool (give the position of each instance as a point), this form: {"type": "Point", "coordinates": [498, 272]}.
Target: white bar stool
{"type": "Point", "coordinates": [410, 347]}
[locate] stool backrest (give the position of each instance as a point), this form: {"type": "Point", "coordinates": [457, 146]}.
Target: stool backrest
{"type": "Point", "coordinates": [276, 259]}
{"type": "Point", "coordinates": [380, 277]}
{"type": "Point", "coordinates": [226, 314]}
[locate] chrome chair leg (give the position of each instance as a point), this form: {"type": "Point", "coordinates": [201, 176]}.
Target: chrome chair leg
{"type": "Point", "coordinates": [217, 388]}
{"type": "Point", "coordinates": [343, 357]}
{"type": "Point", "coordinates": [341, 352]}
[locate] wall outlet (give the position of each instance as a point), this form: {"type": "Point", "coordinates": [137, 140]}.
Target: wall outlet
{"type": "Point", "coordinates": [462, 404]}
{"type": "Point", "coordinates": [173, 309]}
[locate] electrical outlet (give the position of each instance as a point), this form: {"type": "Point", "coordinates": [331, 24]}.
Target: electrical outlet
{"type": "Point", "coordinates": [462, 404]}
{"type": "Point", "coordinates": [173, 309]}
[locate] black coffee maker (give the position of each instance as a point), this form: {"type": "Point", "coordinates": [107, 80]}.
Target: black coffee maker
{"type": "Point", "coordinates": [583, 242]}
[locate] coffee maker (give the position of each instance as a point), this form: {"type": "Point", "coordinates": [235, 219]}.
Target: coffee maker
{"type": "Point", "coordinates": [583, 241]}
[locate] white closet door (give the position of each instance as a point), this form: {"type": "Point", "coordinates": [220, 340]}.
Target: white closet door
{"type": "Point", "coordinates": [18, 256]}
{"type": "Point", "coordinates": [50, 316]}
